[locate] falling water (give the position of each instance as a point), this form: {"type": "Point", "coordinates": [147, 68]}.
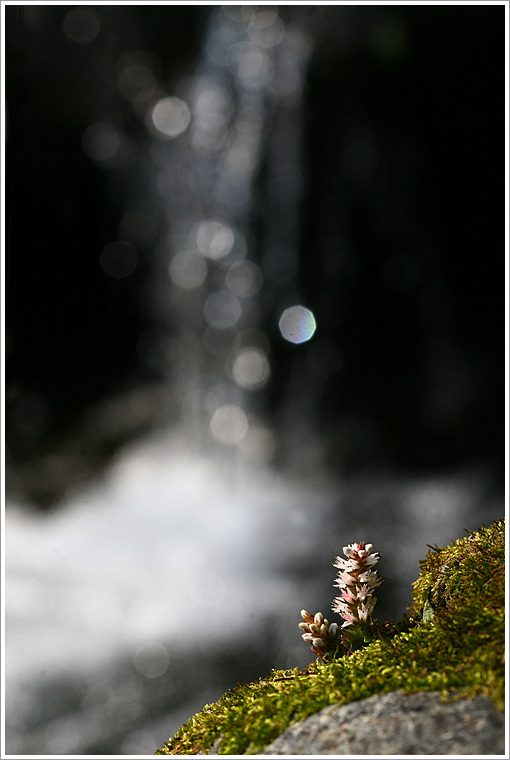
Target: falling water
{"type": "Point", "coordinates": [240, 109]}
{"type": "Point", "coordinates": [172, 557]}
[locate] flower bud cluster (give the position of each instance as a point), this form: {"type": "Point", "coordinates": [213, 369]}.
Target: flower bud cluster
{"type": "Point", "coordinates": [356, 581]}
{"type": "Point", "coordinates": [322, 635]}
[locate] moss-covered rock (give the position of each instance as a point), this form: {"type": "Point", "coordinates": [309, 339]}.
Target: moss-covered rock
{"type": "Point", "coordinates": [452, 641]}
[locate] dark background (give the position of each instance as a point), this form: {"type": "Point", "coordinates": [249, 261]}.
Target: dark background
{"type": "Point", "coordinates": [402, 264]}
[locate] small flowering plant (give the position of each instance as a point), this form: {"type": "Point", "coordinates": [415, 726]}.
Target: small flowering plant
{"type": "Point", "coordinates": [357, 581]}
{"type": "Point", "coordinates": [319, 633]}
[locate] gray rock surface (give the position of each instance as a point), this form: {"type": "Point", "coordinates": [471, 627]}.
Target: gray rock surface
{"type": "Point", "coordinates": [398, 724]}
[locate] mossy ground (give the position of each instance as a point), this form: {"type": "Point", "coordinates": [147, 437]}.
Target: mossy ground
{"type": "Point", "coordinates": [452, 641]}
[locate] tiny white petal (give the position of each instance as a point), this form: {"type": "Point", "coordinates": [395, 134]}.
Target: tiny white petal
{"type": "Point", "coordinates": [363, 592]}
{"type": "Point", "coordinates": [370, 577]}
{"type": "Point", "coordinates": [344, 579]}
{"type": "Point", "coordinates": [340, 606]}
{"type": "Point", "coordinates": [336, 605]}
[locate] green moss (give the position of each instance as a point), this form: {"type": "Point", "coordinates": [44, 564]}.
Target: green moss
{"type": "Point", "coordinates": [451, 641]}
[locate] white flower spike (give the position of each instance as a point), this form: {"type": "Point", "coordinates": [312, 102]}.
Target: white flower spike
{"type": "Point", "coordinates": [355, 605]}
{"type": "Point", "coordinates": [356, 582]}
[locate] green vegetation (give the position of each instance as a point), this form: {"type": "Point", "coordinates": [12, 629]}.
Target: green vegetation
{"type": "Point", "coordinates": [451, 641]}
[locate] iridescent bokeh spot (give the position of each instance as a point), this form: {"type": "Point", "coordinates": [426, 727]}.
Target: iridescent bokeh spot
{"type": "Point", "coordinates": [297, 324]}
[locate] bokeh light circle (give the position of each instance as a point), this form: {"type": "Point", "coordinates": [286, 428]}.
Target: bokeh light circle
{"type": "Point", "coordinates": [188, 269]}
{"type": "Point", "coordinates": [170, 117]}
{"type": "Point", "coordinates": [151, 659]}
{"type": "Point", "coordinates": [297, 324]}
{"type": "Point", "coordinates": [229, 424]}
{"type": "Point", "coordinates": [101, 141]}
{"type": "Point", "coordinates": [118, 259]}
{"type": "Point", "coordinates": [222, 309]}
{"type": "Point", "coordinates": [214, 239]}
{"type": "Point", "coordinates": [251, 368]}
{"type": "Point", "coordinates": [81, 25]}
{"type": "Point", "coordinates": [244, 279]}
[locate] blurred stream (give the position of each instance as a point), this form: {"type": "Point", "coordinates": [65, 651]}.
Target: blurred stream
{"type": "Point", "coordinates": [182, 575]}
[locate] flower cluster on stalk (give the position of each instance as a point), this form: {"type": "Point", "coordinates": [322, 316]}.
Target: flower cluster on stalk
{"type": "Point", "coordinates": [322, 635]}
{"type": "Point", "coordinates": [357, 581]}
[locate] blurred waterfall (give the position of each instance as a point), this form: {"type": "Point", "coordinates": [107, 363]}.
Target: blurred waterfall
{"type": "Point", "coordinates": [243, 110]}
{"type": "Point", "coordinates": [171, 579]}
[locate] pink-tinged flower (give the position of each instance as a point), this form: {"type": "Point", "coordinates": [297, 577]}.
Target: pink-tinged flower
{"type": "Point", "coordinates": [371, 578]}
{"type": "Point", "coordinates": [372, 559]}
{"type": "Point", "coordinates": [345, 579]}
{"type": "Point", "coordinates": [348, 595]}
{"type": "Point", "coordinates": [341, 607]}
{"type": "Point", "coordinates": [356, 581]}
{"type": "Point", "coordinates": [355, 604]}
{"type": "Point", "coordinates": [319, 633]}
{"type": "Point", "coordinates": [348, 616]}
{"type": "Point", "coordinates": [364, 593]}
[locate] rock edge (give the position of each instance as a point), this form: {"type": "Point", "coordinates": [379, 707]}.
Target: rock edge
{"type": "Point", "coordinates": [397, 724]}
